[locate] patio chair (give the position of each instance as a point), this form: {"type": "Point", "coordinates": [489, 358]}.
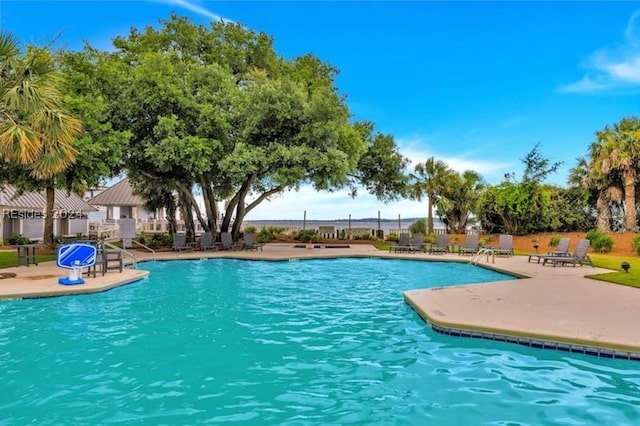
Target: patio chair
{"type": "Point", "coordinates": [227, 242]}
{"type": "Point", "coordinates": [250, 242]}
{"type": "Point", "coordinates": [107, 259]}
{"type": "Point", "coordinates": [441, 246]}
{"type": "Point", "coordinates": [207, 242]}
{"type": "Point", "coordinates": [562, 249]}
{"type": "Point", "coordinates": [471, 245]}
{"type": "Point", "coordinates": [505, 246]}
{"type": "Point", "coordinates": [418, 243]}
{"type": "Point", "coordinates": [180, 243]}
{"type": "Point", "coordinates": [579, 256]}
{"type": "Point", "coordinates": [403, 245]}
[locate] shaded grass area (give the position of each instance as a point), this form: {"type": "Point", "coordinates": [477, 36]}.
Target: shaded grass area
{"type": "Point", "coordinates": [9, 258]}
{"type": "Point", "coordinates": [383, 246]}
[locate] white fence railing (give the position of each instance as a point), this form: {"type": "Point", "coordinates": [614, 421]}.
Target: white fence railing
{"type": "Point", "coordinates": [107, 230]}
{"type": "Point", "coordinates": [110, 228]}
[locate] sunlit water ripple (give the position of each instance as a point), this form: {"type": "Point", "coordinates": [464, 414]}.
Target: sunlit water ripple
{"type": "Point", "coordinates": [292, 343]}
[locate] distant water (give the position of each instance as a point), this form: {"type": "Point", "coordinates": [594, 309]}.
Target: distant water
{"type": "Point", "coordinates": [386, 225]}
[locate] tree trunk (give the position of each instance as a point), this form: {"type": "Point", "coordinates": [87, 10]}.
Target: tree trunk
{"type": "Point", "coordinates": [211, 208]}
{"type": "Point", "coordinates": [48, 218]}
{"type": "Point", "coordinates": [630, 199]}
{"type": "Point", "coordinates": [187, 217]}
{"type": "Point", "coordinates": [429, 213]}
{"type": "Point", "coordinates": [237, 223]}
{"type": "Point", "coordinates": [604, 212]}
{"type": "Point", "coordinates": [191, 204]}
{"type": "Point", "coordinates": [241, 209]}
{"type": "Point", "coordinates": [228, 213]}
{"type": "Point", "coordinates": [171, 219]}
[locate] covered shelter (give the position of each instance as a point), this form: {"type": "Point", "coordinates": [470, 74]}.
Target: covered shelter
{"type": "Point", "coordinates": [120, 202]}
{"type": "Point", "coordinates": [24, 213]}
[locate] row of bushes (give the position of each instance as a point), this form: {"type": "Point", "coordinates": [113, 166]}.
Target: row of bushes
{"type": "Point", "coordinates": [164, 239]}
{"type": "Point", "coordinates": [600, 241]}
{"type": "Point", "coordinates": [161, 239]}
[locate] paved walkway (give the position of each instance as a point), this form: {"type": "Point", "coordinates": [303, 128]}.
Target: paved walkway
{"type": "Point", "coordinates": [554, 306]}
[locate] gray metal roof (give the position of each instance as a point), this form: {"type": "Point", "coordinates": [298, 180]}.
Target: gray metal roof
{"type": "Point", "coordinates": [71, 202]}
{"type": "Point", "coordinates": [120, 194]}
{"type": "Point", "coordinates": [38, 200]}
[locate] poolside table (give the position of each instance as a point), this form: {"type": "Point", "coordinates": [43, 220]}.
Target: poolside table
{"type": "Point", "coordinates": [27, 254]}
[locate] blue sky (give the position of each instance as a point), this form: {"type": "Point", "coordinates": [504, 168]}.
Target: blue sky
{"type": "Point", "coordinates": [475, 84]}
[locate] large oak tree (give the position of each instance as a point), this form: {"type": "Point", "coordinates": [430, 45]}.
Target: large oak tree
{"type": "Point", "coordinates": [215, 111]}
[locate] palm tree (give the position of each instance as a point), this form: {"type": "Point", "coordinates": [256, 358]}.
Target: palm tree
{"type": "Point", "coordinates": [430, 180]}
{"type": "Point", "coordinates": [460, 199]}
{"type": "Point", "coordinates": [620, 150]}
{"type": "Point", "coordinates": [604, 187]}
{"type": "Point", "coordinates": [36, 131]}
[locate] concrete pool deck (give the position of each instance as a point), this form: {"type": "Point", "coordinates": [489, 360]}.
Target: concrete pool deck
{"type": "Point", "coordinates": [555, 307]}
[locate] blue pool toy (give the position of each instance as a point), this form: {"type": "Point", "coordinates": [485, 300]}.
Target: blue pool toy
{"type": "Point", "coordinates": [75, 257]}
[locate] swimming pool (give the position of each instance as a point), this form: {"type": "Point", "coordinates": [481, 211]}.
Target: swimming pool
{"type": "Point", "coordinates": [293, 343]}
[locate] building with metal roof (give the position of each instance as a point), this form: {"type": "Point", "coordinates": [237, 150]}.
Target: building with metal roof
{"type": "Point", "coordinates": [120, 202]}
{"type": "Point", "coordinates": [24, 213]}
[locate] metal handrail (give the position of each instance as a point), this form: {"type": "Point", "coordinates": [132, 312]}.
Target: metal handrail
{"type": "Point", "coordinates": [124, 252]}
{"type": "Point", "coordinates": [488, 251]}
{"type": "Point", "coordinates": [148, 248]}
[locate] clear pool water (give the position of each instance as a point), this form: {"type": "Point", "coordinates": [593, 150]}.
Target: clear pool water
{"type": "Point", "coordinates": [288, 343]}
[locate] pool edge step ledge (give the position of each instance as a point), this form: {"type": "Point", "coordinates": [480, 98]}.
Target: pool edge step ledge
{"type": "Point", "coordinates": [532, 340]}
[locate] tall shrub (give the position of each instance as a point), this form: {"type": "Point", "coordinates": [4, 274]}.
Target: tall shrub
{"type": "Point", "coordinates": [600, 241]}
{"type": "Point", "coordinates": [635, 244]}
{"type": "Point", "coordinates": [419, 226]}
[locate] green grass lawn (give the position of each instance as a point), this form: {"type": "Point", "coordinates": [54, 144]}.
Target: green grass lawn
{"type": "Point", "coordinates": [383, 246]}
{"type": "Point", "coordinates": [608, 261]}
{"type": "Point", "coordinates": [631, 278]}
{"type": "Point", "coordinates": [9, 258]}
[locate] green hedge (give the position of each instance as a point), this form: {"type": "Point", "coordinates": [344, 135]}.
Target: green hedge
{"type": "Point", "coordinates": [635, 244]}
{"type": "Point", "coordinates": [600, 241]}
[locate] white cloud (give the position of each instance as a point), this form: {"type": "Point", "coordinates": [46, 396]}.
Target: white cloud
{"type": "Point", "coordinates": [585, 85]}
{"type": "Point", "coordinates": [628, 71]}
{"type": "Point", "coordinates": [333, 205]}
{"type": "Point", "coordinates": [613, 67]}
{"type": "Point", "coordinates": [472, 160]}
{"type": "Point", "coordinates": [339, 205]}
{"type": "Point", "coordinates": [194, 7]}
